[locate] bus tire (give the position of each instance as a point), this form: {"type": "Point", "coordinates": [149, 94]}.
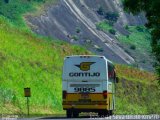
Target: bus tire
{"type": "Point", "coordinates": [75, 114]}
{"type": "Point", "coordinates": [103, 114]}
{"type": "Point", "coordinates": [110, 112]}
{"type": "Point", "coordinates": [69, 113]}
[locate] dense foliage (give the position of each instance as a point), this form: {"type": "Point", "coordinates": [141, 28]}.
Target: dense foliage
{"type": "Point", "coordinates": [151, 8]}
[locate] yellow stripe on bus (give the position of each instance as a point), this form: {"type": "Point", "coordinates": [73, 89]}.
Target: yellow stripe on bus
{"type": "Point", "coordinates": [94, 101]}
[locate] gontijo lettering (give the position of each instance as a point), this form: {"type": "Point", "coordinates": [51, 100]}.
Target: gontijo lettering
{"type": "Point", "coordinates": [84, 74]}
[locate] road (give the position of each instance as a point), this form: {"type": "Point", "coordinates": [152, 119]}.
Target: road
{"type": "Point", "coordinates": [90, 117]}
{"type": "Point", "coordinates": [115, 117]}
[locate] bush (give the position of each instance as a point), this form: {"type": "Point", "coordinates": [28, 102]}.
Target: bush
{"type": "Point", "coordinates": [127, 36]}
{"type": "Point", "coordinates": [6, 1]}
{"type": "Point", "coordinates": [110, 23]}
{"type": "Point", "coordinates": [112, 31]}
{"type": "Point", "coordinates": [78, 30]}
{"type": "Point", "coordinates": [101, 11]}
{"type": "Point", "coordinates": [75, 37]}
{"type": "Point", "coordinates": [111, 16]}
{"type": "Point", "coordinates": [126, 27]}
{"type": "Point", "coordinates": [139, 28]}
{"type": "Point", "coordinates": [133, 47]}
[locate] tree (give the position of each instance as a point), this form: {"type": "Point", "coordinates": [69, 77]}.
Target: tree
{"type": "Point", "coordinates": [112, 31]}
{"type": "Point", "coordinates": [6, 1]}
{"type": "Point", "coordinates": [151, 9]}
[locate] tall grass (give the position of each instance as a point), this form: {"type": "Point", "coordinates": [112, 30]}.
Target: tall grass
{"type": "Point", "coordinates": [139, 37]}
{"type": "Point", "coordinates": [30, 61]}
{"type": "Point", "coordinates": [137, 91]}
{"type": "Point", "coordinates": [134, 74]}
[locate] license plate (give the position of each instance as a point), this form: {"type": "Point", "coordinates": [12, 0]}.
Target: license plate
{"type": "Point", "coordinates": [84, 100]}
{"type": "Point", "coordinates": [84, 96]}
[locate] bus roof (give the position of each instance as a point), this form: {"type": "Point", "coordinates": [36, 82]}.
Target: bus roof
{"type": "Point", "coordinates": [88, 56]}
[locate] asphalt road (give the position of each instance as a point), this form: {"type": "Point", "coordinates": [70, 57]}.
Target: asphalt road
{"type": "Point", "coordinates": [114, 117]}
{"type": "Point", "coordinates": [90, 117]}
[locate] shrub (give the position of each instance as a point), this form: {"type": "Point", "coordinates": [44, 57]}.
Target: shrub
{"type": "Point", "coordinates": [101, 11]}
{"type": "Point", "coordinates": [133, 47]}
{"type": "Point", "coordinates": [112, 16]}
{"type": "Point", "coordinates": [126, 27]}
{"type": "Point", "coordinates": [78, 30]}
{"type": "Point", "coordinates": [127, 36]}
{"type": "Point", "coordinates": [112, 31]}
{"type": "Point", "coordinates": [75, 37]}
{"type": "Point", "coordinates": [139, 28]}
{"type": "Point", "coordinates": [6, 1]}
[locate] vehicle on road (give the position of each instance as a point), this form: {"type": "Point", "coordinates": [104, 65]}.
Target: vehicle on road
{"type": "Point", "coordinates": [88, 84]}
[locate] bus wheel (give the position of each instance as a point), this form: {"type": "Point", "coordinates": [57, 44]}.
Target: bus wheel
{"type": "Point", "coordinates": [100, 114]}
{"type": "Point", "coordinates": [69, 113]}
{"type": "Point", "coordinates": [110, 112]}
{"type": "Point", "coordinates": [103, 114]}
{"type": "Point", "coordinates": [75, 114]}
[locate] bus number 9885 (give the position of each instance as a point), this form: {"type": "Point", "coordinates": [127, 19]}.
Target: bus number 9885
{"type": "Point", "coordinates": [84, 90]}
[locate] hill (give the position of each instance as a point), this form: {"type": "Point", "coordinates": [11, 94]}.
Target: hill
{"type": "Point", "coordinates": [28, 60]}
{"type": "Point", "coordinates": [103, 27]}
{"type": "Point", "coordinates": [137, 91]}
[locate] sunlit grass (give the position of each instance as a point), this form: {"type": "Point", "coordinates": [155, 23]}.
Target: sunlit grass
{"type": "Point", "coordinates": [139, 37]}
{"type": "Point", "coordinates": [104, 26]}
{"type": "Point", "coordinates": [134, 74]}
{"type": "Point", "coordinates": [30, 61]}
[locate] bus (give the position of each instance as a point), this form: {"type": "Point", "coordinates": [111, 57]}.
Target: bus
{"type": "Point", "coordinates": [88, 85]}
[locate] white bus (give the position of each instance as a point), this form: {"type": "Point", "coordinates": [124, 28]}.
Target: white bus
{"type": "Point", "coordinates": [88, 84]}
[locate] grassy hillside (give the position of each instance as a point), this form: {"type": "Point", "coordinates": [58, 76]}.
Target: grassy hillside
{"type": "Point", "coordinates": [14, 10]}
{"type": "Point", "coordinates": [30, 61]}
{"type": "Point", "coordinates": [137, 92]}
{"type": "Point", "coordinates": [136, 43]}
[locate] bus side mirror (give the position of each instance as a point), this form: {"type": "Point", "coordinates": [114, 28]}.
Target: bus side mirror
{"type": "Point", "coordinates": [117, 80]}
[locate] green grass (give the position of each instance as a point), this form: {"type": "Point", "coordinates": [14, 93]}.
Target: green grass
{"type": "Point", "coordinates": [104, 26]}
{"type": "Point", "coordinates": [139, 37]}
{"type": "Point", "coordinates": [30, 61]}
{"type": "Point", "coordinates": [15, 9]}
{"type": "Point", "coordinates": [137, 92]}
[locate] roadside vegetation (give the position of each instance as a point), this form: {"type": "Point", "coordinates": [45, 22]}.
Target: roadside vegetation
{"type": "Point", "coordinates": [106, 26]}
{"type": "Point", "coordinates": [136, 43]}
{"type": "Point", "coordinates": [139, 38]}
{"type": "Point", "coordinates": [137, 92]}
{"type": "Point", "coordinates": [27, 60]}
